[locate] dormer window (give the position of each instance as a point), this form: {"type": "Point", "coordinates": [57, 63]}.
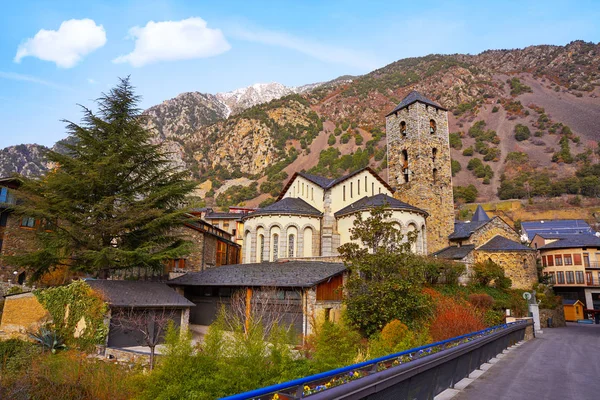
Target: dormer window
{"type": "Point", "coordinates": [403, 128]}
{"type": "Point", "coordinates": [432, 126]}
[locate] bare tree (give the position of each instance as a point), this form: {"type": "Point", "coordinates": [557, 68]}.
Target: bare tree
{"type": "Point", "coordinates": [149, 323]}
{"type": "Point", "coordinates": [265, 307]}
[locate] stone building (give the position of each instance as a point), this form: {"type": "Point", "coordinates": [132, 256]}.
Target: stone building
{"type": "Point", "coordinates": [313, 217]}
{"type": "Point", "coordinates": [419, 163]}
{"type": "Point", "coordinates": [484, 238]}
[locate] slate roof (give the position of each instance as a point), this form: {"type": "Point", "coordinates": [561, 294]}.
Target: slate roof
{"type": "Point", "coordinates": [454, 252]}
{"type": "Point", "coordinates": [138, 294]}
{"type": "Point", "coordinates": [500, 243]}
{"type": "Point", "coordinates": [480, 215]}
{"type": "Point", "coordinates": [556, 227]}
{"type": "Point", "coordinates": [369, 202]}
{"type": "Point", "coordinates": [317, 180]}
{"type": "Point", "coordinates": [413, 97]}
{"type": "Point", "coordinates": [275, 274]}
{"type": "Point", "coordinates": [288, 205]}
{"type": "Point", "coordinates": [464, 230]}
{"type": "Point", "coordinates": [573, 241]}
{"type": "Point", "coordinates": [224, 215]}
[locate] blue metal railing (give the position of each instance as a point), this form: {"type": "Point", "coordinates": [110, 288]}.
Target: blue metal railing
{"type": "Point", "coordinates": [421, 351]}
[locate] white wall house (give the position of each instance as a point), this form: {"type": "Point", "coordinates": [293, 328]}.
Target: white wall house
{"type": "Point", "coordinates": [313, 216]}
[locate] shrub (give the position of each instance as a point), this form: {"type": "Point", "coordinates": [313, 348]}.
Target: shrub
{"type": "Point", "coordinates": [345, 138]}
{"type": "Point", "coordinates": [489, 272]}
{"type": "Point", "coordinates": [331, 140]}
{"type": "Point", "coordinates": [358, 139]}
{"type": "Point", "coordinates": [456, 167]}
{"type": "Point", "coordinates": [466, 193]}
{"type": "Point", "coordinates": [468, 152]}
{"type": "Point", "coordinates": [48, 339]}
{"type": "Point", "coordinates": [517, 87]}
{"type": "Point", "coordinates": [266, 202]}
{"type": "Point", "coordinates": [395, 337]}
{"type": "Point", "coordinates": [522, 132]}
{"type": "Point", "coordinates": [337, 131]}
{"type": "Point", "coordinates": [481, 300]}
{"type": "Point", "coordinates": [453, 318]}
{"type": "Point", "coordinates": [495, 109]}
{"type": "Point", "coordinates": [455, 140]}
{"type": "Point", "coordinates": [336, 345]}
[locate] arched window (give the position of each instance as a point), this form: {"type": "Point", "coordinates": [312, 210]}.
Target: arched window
{"type": "Point", "coordinates": [434, 154]}
{"type": "Point", "coordinates": [432, 126]}
{"type": "Point", "coordinates": [247, 248]}
{"type": "Point", "coordinates": [291, 244]}
{"type": "Point", "coordinates": [275, 246]}
{"type": "Point", "coordinates": [435, 175]}
{"type": "Point", "coordinates": [261, 248]}
{"type": "Point", "coordinates": [403, 128]}
{"type": "Point", "coordinates": [308, 242]}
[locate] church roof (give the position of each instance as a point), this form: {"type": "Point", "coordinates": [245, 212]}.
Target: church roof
{"type": "Point", "coordinates": [464, 230]}
{"type": "Point", "coordinates": [500, 243]}
{"type": "Point", "coordinates": [328, 183]}
{"type": "Point", "coordinates": [454, 252]}
{"type": "Point", "coordinates": [138, 293]}
{"type": "Point", "coordinates": [369, 202]}
{"type": "Point", "coordinates": [480, 215]}
{"type": "Point", "coordinates": [288, 205]}
{"type": "Point", "coordinates": [413, 97]}
{"type": "Point", "coordinates": [266, 274]}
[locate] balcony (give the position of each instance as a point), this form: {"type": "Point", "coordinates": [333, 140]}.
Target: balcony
{"type": "Point", "coordinates": [592, 264]}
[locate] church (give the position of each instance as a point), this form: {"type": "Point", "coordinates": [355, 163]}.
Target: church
{"type": "Point", "coordinates": [313, 215]}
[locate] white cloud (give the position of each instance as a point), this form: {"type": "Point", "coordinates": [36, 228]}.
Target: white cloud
{"type": "Point", "coordinates": [174, 40]}
{"type": "Point", "coordinates": [92, 81]}
{"type": "Point", "coordinates": [28, 78]}
{"type": "Point", "coordinates": [74, 39]}
{"type": "Point", "coordinates": [323, 52]}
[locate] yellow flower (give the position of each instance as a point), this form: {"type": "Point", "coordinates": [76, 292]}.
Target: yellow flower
{"type": "Point", "coordinates": [276, 397]}
{"type": "Point", "coordinates": [306, 387]}
{"type": "Point", "coordinates": [356, 374]}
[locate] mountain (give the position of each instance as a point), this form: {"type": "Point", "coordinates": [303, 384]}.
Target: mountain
{"type": "Point", "coordinates": [25, 159]}
{"type": "Point", "coordinates": [529, 116]}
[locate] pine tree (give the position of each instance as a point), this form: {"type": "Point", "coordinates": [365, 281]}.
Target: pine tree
{"type": "Point", "coordinates": [112, 199]}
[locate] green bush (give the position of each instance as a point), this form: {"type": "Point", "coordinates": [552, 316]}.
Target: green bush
{"type": "Point", "coordinates": [455, 141]}
{"type": "Point", "coordinates": [522, 132]}
{"type": "Point", "coordinates": [358, 139]}
{"type": "Point", "coordinates": [468, 194]}
{"type": "Point", "coordinates": [468, 152]}
{"type": "Point", "coordinates": [456, 167]}
{"type": "Point", "coordinates": [517, 87]}
{"type": "Point", "coordinates": [495, 109]}
{"type": "Point", "coordinates": [345, 138]}
{"type": "Point", "coordinates": [331, 140]}
{"type": "Point", "coordinates": [488, 272]}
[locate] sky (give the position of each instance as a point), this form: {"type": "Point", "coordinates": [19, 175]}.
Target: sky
{"type": "Point", "coordinates": [57, 55]}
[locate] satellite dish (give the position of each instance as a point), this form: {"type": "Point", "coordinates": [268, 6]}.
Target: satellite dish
{"type": "Point", "coordinates": [527, 296]}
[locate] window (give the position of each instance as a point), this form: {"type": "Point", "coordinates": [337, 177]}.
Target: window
{"type": "Point", "coordinates": [558, 260]}
{"type": "Point", "coordinates": [221, 253]}
{"type": "Point", "coordinates": [358, 187]}
{"type": "Point", "coordinates": [3, 195]}
{"type": "Point", "coordinates": [403, 128]}
{"type": "Point", "coordinates": [435, 175]}
{"type": "Point", "coordinates": [560, 278]}
{"type": "Point", "coordinates": [291, 243]}
{"type": "Point", "coordinates": [586, 260]}
{"type": "Point", "coordinates": [433, 154]}
{"type": "Point", "coordinates": [366, 187]}
{"type": "Point", "coordinates": [570, 277]}
{"type": "Point", "coordinates": [379, 189]}
{"type": "Point", "coordinates": [344, 192]}
{"type": "Point", "coordinates": [28, 222]}
{"type": "Point", "coordinates": [577, 259]}
{"type": "Point", "coordinates": [275, 246]}
{"type": "Point", "coordinates": [579, 277]}
{"type": "Point", "coordinates": [351, 194]}
{"type": "Point", "coordinates": [312, 193]}
{"type": "Point", "coordinates": [372, 188]}
{"type": "Point", "coordinates": [590, 278]}
{"type": "Point", "coordinates": [544, 262]}
{"type": "Point", "coordinates": [551, 278]}
{"type": "Point", "coordinates": [302, 188]}
{"type": "Point", "coordinates": [226, 225]}
{"type": "Point", "coordinates": [551, 261]}
{"type": "Point", "coordinates": [568, 259]}
{"type": "Point", "coordinates": [176, 264]}
{"type": "Point", "coordinates": [432, 126]}
{"type": "Point", "coordinates": [261, 247]}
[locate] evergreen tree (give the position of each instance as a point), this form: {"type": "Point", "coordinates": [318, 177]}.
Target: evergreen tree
{"type": "Point", "coordinates": [113, 198]}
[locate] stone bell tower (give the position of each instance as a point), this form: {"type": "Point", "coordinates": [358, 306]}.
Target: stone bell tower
{"type": "Point", "coordinates": [419, 163]}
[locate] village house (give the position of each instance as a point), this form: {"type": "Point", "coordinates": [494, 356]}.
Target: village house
{"type": "Point", "coordinates": [572, 264]}
{"type": "Point", "coordinates": [484, 238]}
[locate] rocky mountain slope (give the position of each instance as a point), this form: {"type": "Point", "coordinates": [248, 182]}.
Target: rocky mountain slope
{"type": "Point", "coordinates": [517, 117]}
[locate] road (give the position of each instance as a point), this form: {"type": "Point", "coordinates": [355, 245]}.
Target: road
{"type": "Point", "coordinates": [561, 363]}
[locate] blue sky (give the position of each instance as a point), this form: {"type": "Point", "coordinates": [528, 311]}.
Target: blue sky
{"type": "Point", "coordinates": [56, 54]}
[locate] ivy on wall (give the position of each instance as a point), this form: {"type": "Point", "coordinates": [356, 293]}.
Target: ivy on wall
{"type": "Point", "coordinates": [68, 305]}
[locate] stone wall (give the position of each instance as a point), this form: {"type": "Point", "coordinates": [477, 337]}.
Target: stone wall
{"type": "Point", "coordinates": [194, 258]}
{"type": "Point", "coordinates": [314, 312]}
{"type": "Point", "coordinates": [22, 313]}
{"type": "Point", "coordinates": [422, 178]}
{"type": "Point", "coordinates": [558, 317]}
{"type": "Point", "coordinates": [16, 240]}
{"type": "Point", "coordinates": [495, 227]}
{"type": "Point", "coordinates": [519, 266]}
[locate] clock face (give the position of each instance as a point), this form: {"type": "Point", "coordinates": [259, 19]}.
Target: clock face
{"type": "Point", "coordinates": [527, 295]}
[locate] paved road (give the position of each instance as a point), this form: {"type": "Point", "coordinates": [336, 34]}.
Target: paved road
{"type": "Point", "coordinates": [561, 363]}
